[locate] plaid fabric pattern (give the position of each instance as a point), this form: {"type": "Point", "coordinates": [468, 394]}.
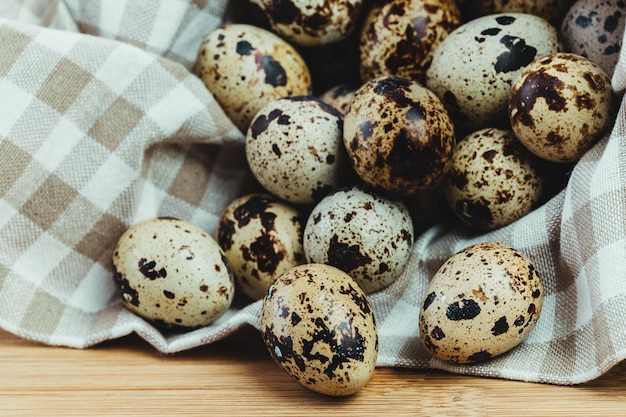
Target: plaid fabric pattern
{"type": "Point", "coordinates": [99, 132]}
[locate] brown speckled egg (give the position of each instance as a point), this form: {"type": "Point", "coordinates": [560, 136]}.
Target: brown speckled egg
{"type": "Point", "coordinates": [172, 273]}
{"type": "Point", "coordinates": [482, 302]}
{"type": "Point", "coordinates": [261, 237]}
{"type": "Point", "coordinates": [319, 327]}
{"type": "Point", "coordinates": [364, 234]}
{"type": "Point", "coordinates": [339, 96]}
{"type": "Point", "coordinates": [246, 67]}
{"type": "Point", "coordinates": [295, 150]}
{"type": "Point", "coordinates": [399, 37]}
{"type": "Point", "coordinates": [551, 10]}
{"type": "Point", "coordinates": [561, 105]}
{"type": "Point", "coordinates": [594, 29]}
{"type": "Point", "coordinates": [474, 67]}
{"type": "Point", "coordinates": [494, 180]}
{"type": "Point", "coordinates": [398, 135]}
{"type": "Point", "coordinates": [312, 23]}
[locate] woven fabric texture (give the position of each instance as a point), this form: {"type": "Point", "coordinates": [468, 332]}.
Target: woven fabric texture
{"type": "Point", "coordinates": [103, 124]}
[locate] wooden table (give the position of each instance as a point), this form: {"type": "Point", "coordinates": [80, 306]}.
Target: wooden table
{"type": "Point", "coordinates": [236, 376]}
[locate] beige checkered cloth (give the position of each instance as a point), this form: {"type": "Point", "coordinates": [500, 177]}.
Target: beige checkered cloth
{"type": "Point", "coordinates": [102, 124]}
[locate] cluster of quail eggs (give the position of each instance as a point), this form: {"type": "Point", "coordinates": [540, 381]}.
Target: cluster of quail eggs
{"type": "Point", "coordinates": [365, 122]}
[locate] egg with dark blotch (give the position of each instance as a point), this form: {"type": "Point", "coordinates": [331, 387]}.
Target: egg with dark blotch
{"type": "Point", "coordinates": [561, 105]}
{"type": "Point", "coordinates": [308, 23]}
{"type": "Point", "coordinates": [319, 327]}
{"type": "Point", "coordinates": [365, 234]}
{"type": "Point", "coordinates": [261, 237]}
{"type": "Point", "coordinates": [398, 135]}
{"type": "Point", "coordinates": [399, 37]}
{"type": "Point", "coordinates": [493, 180]}
{"type": "Point", "coordinates": [294, 149]}
{"type": "Point", "coordinates": [172, 273]}
{"type": "Point", "coordinates": [474, 67]}
{"type": "Point", "coordinates": [482, 302]}
{"type": "Point", "coordinates": [594, 29]}
{"type": "Point", "coordinates": [246, 67]}
{"type": "Point", "coordinates": [339, 96]}
{"type": "Point", "coordinates": [551, 10]}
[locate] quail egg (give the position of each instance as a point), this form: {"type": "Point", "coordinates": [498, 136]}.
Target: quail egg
{"type": "Point", "coordinates": [399, 37]}
{"type": "Point", "coordinates": [361, 232]}
{"type": "Point", "coordinates": [312, 23]}
{"type": "Point", "coordinates": [319, 327]}
{"type": "Point", "coordinates": [295, 150]}
{"type": "Point", "coordinates": [172, 273]}
{"type": "Point", "coordinates": [261, 237]}
{"type": "Point", "coordinates": [481, 303]}
{"type": "Point", "coordinates": [493, 180]}
{"type": "Point", "coordinates": [398, 135]}
{"type": "Point", "coordinates": [246, 67]}
{"type": "Point", "coordinates": [561, 105]}
{"type": "Point", "coordinates": [594, 29]}
{"type": "Point", "coordinates": [474, 67]}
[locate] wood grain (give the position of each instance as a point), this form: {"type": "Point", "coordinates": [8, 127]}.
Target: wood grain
{"type": "Point", "coordinates": [236, 376]}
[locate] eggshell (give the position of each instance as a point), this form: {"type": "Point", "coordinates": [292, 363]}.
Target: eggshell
{"type": "Point", "coordinates": [363, 233]}
{"type": "Point", "coordinates": [398, 135]}
{"type": "Point", "coordinates": [294, 148]}
{"type": "Point", "coordinates": [339, 96]}
{"type": "Point", "coordinates": [172, 273]}
{"type": "Point", "coordinates": [312, 23]}
{"type": "Point", "coordinates": [399, 37]}
{"type": "Point", "coordinates": [319, 327]}
{"type": "Point", "coordinates": [482, 302]}
{"type": "Point", "coordinates": [551, 10]}
{"type": "Point", "coordinates": [261, 237]}
{"type": "Point", "coordinates": [246, 67]}
{"type": "Point", "coordinates": [561, 105]}
{"type": "Point", "coordinates": [493, 180]}
{"type": "Point", "coordinates": [474, 67]}
{"type": "Point", "coordinates": [594, 29]}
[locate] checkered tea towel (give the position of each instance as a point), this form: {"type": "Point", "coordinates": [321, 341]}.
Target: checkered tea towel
{"type": "Point", "coordinates": [103, 124]}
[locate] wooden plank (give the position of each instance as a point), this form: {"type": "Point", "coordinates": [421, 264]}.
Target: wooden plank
{"type": "Point", "coordinates": [128, 377]}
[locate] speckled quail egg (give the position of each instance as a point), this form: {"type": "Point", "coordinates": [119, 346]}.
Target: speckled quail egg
{"type": "Point", "coordinates": [295, 150]}
{"type": "Point", "coordinates": [398, 135]}
{"type": "Point", "coordinates": [311, 23]}
{"type": "Point", "coordinates": [363, 233]}
{"type": "Point", "coordinates": [172, 273]}
{"type": "Point", "coordinates": [551, 10]}
{"type": "Point", "coordinates": [493, 180]}
{"type": "Point", "coordinates": [319, 327]}
{"type": "Point", "coordinates": [561, 105]}
{"type": "Point", "coordinates": [482, 302]}
{"type": "Point", "coordinates": [594, 29]}
{"type": "Point", "coordinates": [339, 96]}
{"type": "Point", "coordinates": [261, 237]}
{"type": "Point", "coordinates": [399, 37]}
{"type": "Point", "coordinates": [246, 67]}
{"type": "Point", "coordinates": [474, 67]}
